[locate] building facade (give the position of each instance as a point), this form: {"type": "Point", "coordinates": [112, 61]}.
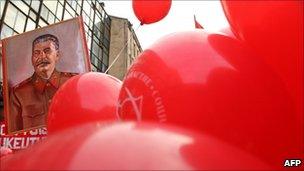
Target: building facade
{"type": "Point", "coordinates": [18, 16]}
{"type": "Point", "coordinates": [124, 45]}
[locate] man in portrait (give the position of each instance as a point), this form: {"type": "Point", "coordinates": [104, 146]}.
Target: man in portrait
{"type": "Point", "coordinates": [30, 99]}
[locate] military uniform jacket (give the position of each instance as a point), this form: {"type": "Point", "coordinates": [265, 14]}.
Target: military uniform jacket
{"type": "Point", "coordinates": [30, 100]}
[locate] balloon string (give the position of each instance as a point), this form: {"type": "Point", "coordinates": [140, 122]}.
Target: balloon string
{"type": "Point", "coordinates": [117, 56]}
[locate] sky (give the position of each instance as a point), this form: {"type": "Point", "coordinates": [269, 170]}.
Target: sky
{"type": "Point", "coordinates": [180, 18]}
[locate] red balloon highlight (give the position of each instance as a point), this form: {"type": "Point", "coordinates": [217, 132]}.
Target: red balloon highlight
{"type": "Point", "coordinates": [151, 11]}
{"type": "Point", "coordinates": [214, 84]}
{"type": "Point", "coordinates": [84, 98]}
{"type": "Point", "coordinates": [130, 146]}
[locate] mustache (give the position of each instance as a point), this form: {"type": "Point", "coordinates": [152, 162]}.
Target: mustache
{"type": "Point", "coordinates": [42, 61]}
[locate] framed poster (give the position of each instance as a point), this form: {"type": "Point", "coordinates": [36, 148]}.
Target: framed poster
{"type": "Point", "coordinates": [35, 65]}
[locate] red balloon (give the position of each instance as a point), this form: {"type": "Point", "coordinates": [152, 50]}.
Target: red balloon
{"type": "Point", "coordinates": [214, 84]}
{"type": "Point", "coordinates": [5, 151]}
{"type": "Point", "coordinates": [130, 146]}
{"type": "Point", "coordinates": [151, 11]}
{"type": "Point", "coordinates": [84, 98]}
{"type": "Point", "coordinates": [227, 31]}
{"type": "Point", "coordinates": [275, 30]}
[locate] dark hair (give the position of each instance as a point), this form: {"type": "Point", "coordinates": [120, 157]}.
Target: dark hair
{"type": "Point", "coordinates": [46, 37]}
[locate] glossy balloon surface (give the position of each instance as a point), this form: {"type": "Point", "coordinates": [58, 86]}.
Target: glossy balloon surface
{"type": "Point", "coordinates": [131, 146]}
{"type": "Point", "coordinates": [4, 151]}
{"type": "Point", "coordinates": [151, 11]}
{"type": "Point", "coordinates": [227, 31]}
{"type": "Point", "coordinates": [214, 84]}
{"type": "Point", "coordinates": [84, 98]}
{"type": "Point", "coordinates": [274, 29]}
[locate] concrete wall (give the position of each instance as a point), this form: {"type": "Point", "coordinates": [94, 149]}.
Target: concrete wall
{"type": "Point", "coordinates": [124, 40]}
{"type": "Point", "coordinates": [118, 41]}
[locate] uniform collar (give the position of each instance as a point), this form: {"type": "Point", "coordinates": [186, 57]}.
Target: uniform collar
{"type": "Point", "coordinates": [41, 84]}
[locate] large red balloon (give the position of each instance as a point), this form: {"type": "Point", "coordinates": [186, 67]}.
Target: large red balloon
{"type": "Point", "coordinates": [275, 30]}
{"type": "Point", "coordinates": [151, 11]}
{"type": "Point", "coordinates": [130, 146]}
{"type": "Point", "coordinates": [214, 84]}
{"type": "Point", "coordinates": [84, 98]}
{"type": "Point", "coordinates": [5, 151]}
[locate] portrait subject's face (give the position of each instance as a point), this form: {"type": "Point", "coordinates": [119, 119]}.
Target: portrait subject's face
{"type": "Point", "coordinates": [44, 58]}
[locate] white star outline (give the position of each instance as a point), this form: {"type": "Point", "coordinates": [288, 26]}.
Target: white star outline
{"type": "Point", "coordinates": [136, 107]}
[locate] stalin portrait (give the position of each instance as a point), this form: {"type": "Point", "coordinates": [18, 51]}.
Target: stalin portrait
{"type": "Point", "coordinates": [30, 100]}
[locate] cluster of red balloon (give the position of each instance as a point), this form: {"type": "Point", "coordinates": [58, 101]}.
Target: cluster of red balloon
{"type": "Point", "coordinates": [245, 91]}
{"type": "Point", "coordinates": [238, 101]}
{"type": "Point", "coordinates": [130, 146]}
{"type": "Point", "coordinates": [214, 84]}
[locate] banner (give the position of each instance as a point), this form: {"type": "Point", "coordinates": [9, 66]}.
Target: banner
{"type": "Point", "coordinates": [21, 140]}
{"type": "Point", "coordinates": [35, 65]}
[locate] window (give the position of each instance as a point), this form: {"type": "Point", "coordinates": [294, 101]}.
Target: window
{"type": "Point", "coordinates": [94, 61]}
{"type": "Point", "coordinates": [97, 30]}
{"type": "Point", "coordinates": [33, 15]}
{"type": "Point", "coordinates": [93, 68]}
{"type": "Point", "coordinates": [51, 18]}
{"type": "Point", "coordinates": [97, 18]}
{"type": "Point", "coordinates": [96, 39]}
{"type": "Point", "coordinates": [95, 48]}
{"type": "Point", "coordinates": [44, 12]}
{"type": "Point", "coordinates": [108, 20]}
{"type": "Point", "coordinates": [42, 23]}
{"type": "Point", "coordinates": [86, 7]}
{"type": "Point", "coordinates": [104, 68]}
{"type": "Point", "coordinates": [31, 25]}
{"type": "Point", "coordinates": [72, 3]}
{"type": "Point", "coordinates": [78, 9]}
{"type": "Point", "coordinates": [15, 19]}
{"type": "Point", "coordinates": [100, 53]}
{"type": "Point", "coordinates": [11, 15]}
{"type": "Point", "coordinates": [106, 42]}
{"type": "Point", "coordinates": [6, 31]}
{"type": "Point", "coordinates": [35, 5]}
{"type": "Point", "coordinates": [67, 15]}
{"type": "Point", "coordinates": [86, 19]}
{"type": "Point", "coordinates": [107, 33]}
{"type": "Point", "coordinates": [2, 7]}
{"type": "Point", "coordinates": [22, 6]}
{"type": "Point", "coordinates": [98, 6]}
{"type": "Point", "coordinates": [59, 11]}
{"type": "Point", "coordinates": [99, 64]}
{"type": "Point", "coordinates": [70, 10]}
{"type": "Point", "coordinates": [28, 2]}
{"type": "Point", "coordinates": [105, 58]}
{"type": "Point", "coordinates": [51, 5]}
